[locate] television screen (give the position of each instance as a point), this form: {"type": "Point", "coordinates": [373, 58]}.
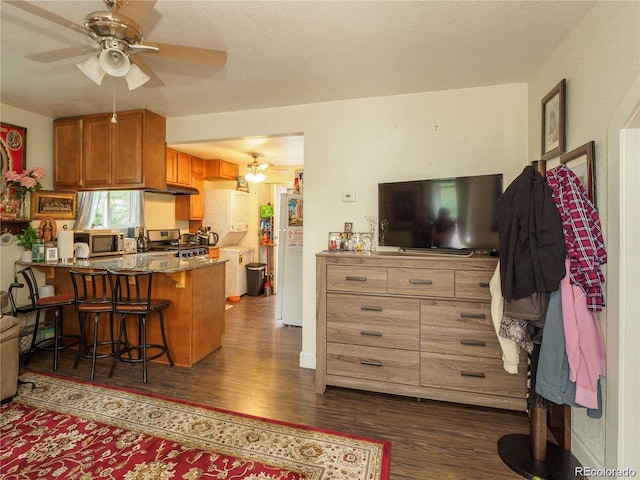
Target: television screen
{"type": "Point", "coordinates": [449, 213]}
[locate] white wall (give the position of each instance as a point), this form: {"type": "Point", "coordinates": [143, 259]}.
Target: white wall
{"type": "Point", "coordinates": [354, 144]}
{"type": "Point", "coordinates": [600, 59]}
{"type": "Point", "coordinates": [39, 154]}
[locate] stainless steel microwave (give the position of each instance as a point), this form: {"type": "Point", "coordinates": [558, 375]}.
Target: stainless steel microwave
{"type": "Point", "coordinates": [101, 243]}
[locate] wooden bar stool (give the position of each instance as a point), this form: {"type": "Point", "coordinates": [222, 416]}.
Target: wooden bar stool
{"type": "Point", "coordinates": [132, 296]}
{"type": "Point", "coordinates": [60, 341]}
{"type": "Point", "coordinates": [92, 292]}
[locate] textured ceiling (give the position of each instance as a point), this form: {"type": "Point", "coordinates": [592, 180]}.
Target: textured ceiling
{"type": "Point", "coordinates": [287, 53]}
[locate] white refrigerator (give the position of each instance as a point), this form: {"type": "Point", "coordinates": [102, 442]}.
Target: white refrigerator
{"type": "Point", "coordinates": [289, 274]}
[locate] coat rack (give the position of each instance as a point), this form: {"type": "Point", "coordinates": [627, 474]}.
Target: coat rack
{"type": "Point", "coordinates": [533, 456]}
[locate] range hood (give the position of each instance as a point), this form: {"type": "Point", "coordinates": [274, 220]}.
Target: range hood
{"type": "Point", "coordinates": [175, 190]}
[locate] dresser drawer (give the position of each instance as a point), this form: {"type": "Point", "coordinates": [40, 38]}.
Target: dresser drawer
{"type": "Point", "coordinates": [352, 279]}
{"type": "Point", "coordinates": [456, 314]}
{"type": "Point", "coordinates": [376, 321]}
{"type": "Point", "coordinates": [471, 374]}
{"type": "Point", "coordinates": [373, 363]}
{"type": "Point", "coordinates": [421, 281]}
{"type": "Point", "coordinates": [473, 284]}
{"type": "Point", "coordinates": [472, 343]}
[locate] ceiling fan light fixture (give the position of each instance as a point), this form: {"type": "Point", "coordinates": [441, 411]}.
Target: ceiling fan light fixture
{"type": "Point", "coordinates": [92, 69]}
{"type": "Point", "coordinates": [115, 62]}
{"type": "Point", "coordinates": [255, 177]}
{"type": "Point", "coordinates": [136, 77]}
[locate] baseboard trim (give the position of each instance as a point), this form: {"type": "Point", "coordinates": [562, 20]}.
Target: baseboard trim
{"type": "Point", "coordinates": [308, 360]}
{"type": "Point", "coordinates": [583, 454]}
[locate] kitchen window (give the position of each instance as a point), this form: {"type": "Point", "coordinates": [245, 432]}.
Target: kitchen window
{"type": "Point", "coordinates": [110, 209]}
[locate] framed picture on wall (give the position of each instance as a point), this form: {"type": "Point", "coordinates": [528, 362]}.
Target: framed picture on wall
{"type": "Point", "coordinates": [13, 149]}
{"type": "Point", "coordinates": [553, 121]}
{"type": "Point", "coordinates": [581, 161]}
{"type": "Point", "coordinates": [60, 205]}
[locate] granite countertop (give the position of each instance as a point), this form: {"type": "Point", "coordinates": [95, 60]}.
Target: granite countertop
{"type": "Point", "coordinates": [144, 262]}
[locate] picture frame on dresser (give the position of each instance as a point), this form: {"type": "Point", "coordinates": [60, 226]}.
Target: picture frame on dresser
{"type": "Point", "coordinates": [553, 121]}
{"type": "Point", "coordinates": [581, 161]}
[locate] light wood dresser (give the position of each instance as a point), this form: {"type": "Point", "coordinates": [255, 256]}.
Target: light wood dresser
{"type": "Point", "coordinates": [413, 325]}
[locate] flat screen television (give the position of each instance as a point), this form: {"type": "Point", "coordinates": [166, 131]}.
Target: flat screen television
{"type": "Point", "coordinates": [447, 214]}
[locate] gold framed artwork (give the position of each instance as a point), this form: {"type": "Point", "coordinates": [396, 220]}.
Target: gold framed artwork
{"type": "Point", "coordinates": [59, 205]}
{"type": "Point", "coordinates": [581, 161]}
{"type": "Point", "coordinates": [553, 121]}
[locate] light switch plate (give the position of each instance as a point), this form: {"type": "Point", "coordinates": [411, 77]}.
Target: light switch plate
{"type": "Point", "coordinates": [348, 196]}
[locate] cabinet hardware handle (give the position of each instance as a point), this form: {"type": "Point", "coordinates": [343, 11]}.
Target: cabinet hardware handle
{"type": "Point", "coordinates": [483, 285]}
{"type": "Point", "coordinates": [471, 374]}
{"type": "Point", "coordinates": [370, 308]}
{"type": "Point", "coordinates": [420, 282]}
{"type": "Point", "coordinates": [473, 315]}
{"type": "Point", "coordinates": [350, 278]}
{"type": "Point", "coordinates": [370, 334]}
{"type": "Point", "coordinates": [473, 343]}
{"type": "Point", "coordinates": [373, 363]}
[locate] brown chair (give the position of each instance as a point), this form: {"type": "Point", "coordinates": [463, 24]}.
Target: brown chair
{"type": "Point", "coordinates": [60, 341]}
{"type": "Point", "coordinates": [132, 296]}
{"type": "Point", "coordinates": [92, 292]}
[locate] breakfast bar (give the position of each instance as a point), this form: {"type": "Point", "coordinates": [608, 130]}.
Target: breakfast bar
{"type": "Point", "coordinates": [194, 321]}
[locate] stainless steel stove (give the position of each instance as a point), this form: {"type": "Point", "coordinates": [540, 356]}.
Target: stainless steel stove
{"type": "Point", "coordinates": [169, 241]}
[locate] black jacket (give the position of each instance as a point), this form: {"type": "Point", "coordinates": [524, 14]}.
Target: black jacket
{"type": "Point", "coordinates": [532, 248]}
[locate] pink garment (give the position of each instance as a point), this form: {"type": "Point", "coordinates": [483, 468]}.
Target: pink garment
{"type": "Point", "coordinates": [583, 341]}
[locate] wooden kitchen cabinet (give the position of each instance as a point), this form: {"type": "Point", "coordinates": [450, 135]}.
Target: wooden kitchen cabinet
{"type": "Point", "coordinates": [67, 153]}
{"type": "Point", "coordinates": [91, 153]}
{"type": "Point", "coordinates": [191, 207]}
{"type": "Point", "coordinates": [220, 169]}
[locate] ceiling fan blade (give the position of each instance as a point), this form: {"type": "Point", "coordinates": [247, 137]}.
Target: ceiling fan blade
{"type": "Point", "coordinates": [205, 56]}
{"type": "Point", "coordinates": [61, 54]}
{"type": "Point", "coordinates": [155, 80]}
{"type": "Point", "coordinates": [52, 17]}
{"type": "Point", "coordinates": [138, 10]}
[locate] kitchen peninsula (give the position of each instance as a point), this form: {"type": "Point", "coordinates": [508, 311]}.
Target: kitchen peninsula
{"type": "Point", "coordinates": [194, 322]}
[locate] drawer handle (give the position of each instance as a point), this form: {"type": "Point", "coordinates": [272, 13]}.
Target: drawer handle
{"type": "Point", "coordinates": [370, 334]}
{"type": "Point", "coordinates": [473, 315]}
{"type": "Point", "coordinates": [472, 374]}
{"type": "Point", "coordinates": [370, 308]}
{"type": "Point", "coordinates": [420, 282]}
{"type": "Point", "coordinates": [350, 278]}
{"type": "Point", "coordinates": [473, 343]}
{"type": "Point", "coordinates": [373, 363]}
{"type": "Point", "coordinates": [483, 285]}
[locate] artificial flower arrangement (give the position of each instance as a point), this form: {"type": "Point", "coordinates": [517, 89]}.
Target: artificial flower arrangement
{"type": "Point", "coordinates": [25, 181]}
{"type": "Point", "coordinates": [18, 185]}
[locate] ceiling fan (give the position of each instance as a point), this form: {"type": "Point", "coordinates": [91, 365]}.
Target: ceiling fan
{"type": "Point", "coordinates": [257, 170]}
{"type": "Point", "coordinates": [118, 38]}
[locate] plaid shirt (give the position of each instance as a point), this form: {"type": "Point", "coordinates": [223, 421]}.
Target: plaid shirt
{"type": "Point", "coordinates": [582, 233]}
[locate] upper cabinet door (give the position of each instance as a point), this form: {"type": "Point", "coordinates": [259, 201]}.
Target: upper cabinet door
{"type": "Point", "coordinates": [127, 163]}
{"type": "Point", "coordinates": [97, 149]}
{"type": "Point", "coordinates": [67, 153]}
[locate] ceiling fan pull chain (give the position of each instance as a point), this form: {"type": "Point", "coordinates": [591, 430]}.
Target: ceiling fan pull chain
{"type": "Point", "coordinates": [114, 117]}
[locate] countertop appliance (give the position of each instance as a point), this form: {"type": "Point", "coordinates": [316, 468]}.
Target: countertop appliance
{"type": "Point", "coordinates": [235, 283]}
{"type": "Point", "coordinates": [101, 242]}
{"type": "Point", "coordinates": [289, 273]}
{"type": "Point", "coordinates": [226, 211]}
{"type": "Point", "coordinates": [169, 240]}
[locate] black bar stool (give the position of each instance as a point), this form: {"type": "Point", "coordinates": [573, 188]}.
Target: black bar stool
{"type": "Point", "coordinates": [60, 341]}
{"type": "Point", "coordinates": [93, 297]}
{"type": "Point", "coordinates": [132, 296]}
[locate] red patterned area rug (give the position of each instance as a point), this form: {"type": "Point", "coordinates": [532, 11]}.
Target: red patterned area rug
{"type": "Point", "coordinates": [67, 429]}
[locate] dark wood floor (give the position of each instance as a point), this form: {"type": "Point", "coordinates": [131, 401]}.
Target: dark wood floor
{"type": "Point", "coordinates": [256, 372]}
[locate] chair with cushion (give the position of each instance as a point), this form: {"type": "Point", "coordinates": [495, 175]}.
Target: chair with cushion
{"type": "Point", "coordinates": [132, 296]}
{"type": "Point", "coordinates": [92, 298]}
{"type": "Point", "coordinates": [60, 341]}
